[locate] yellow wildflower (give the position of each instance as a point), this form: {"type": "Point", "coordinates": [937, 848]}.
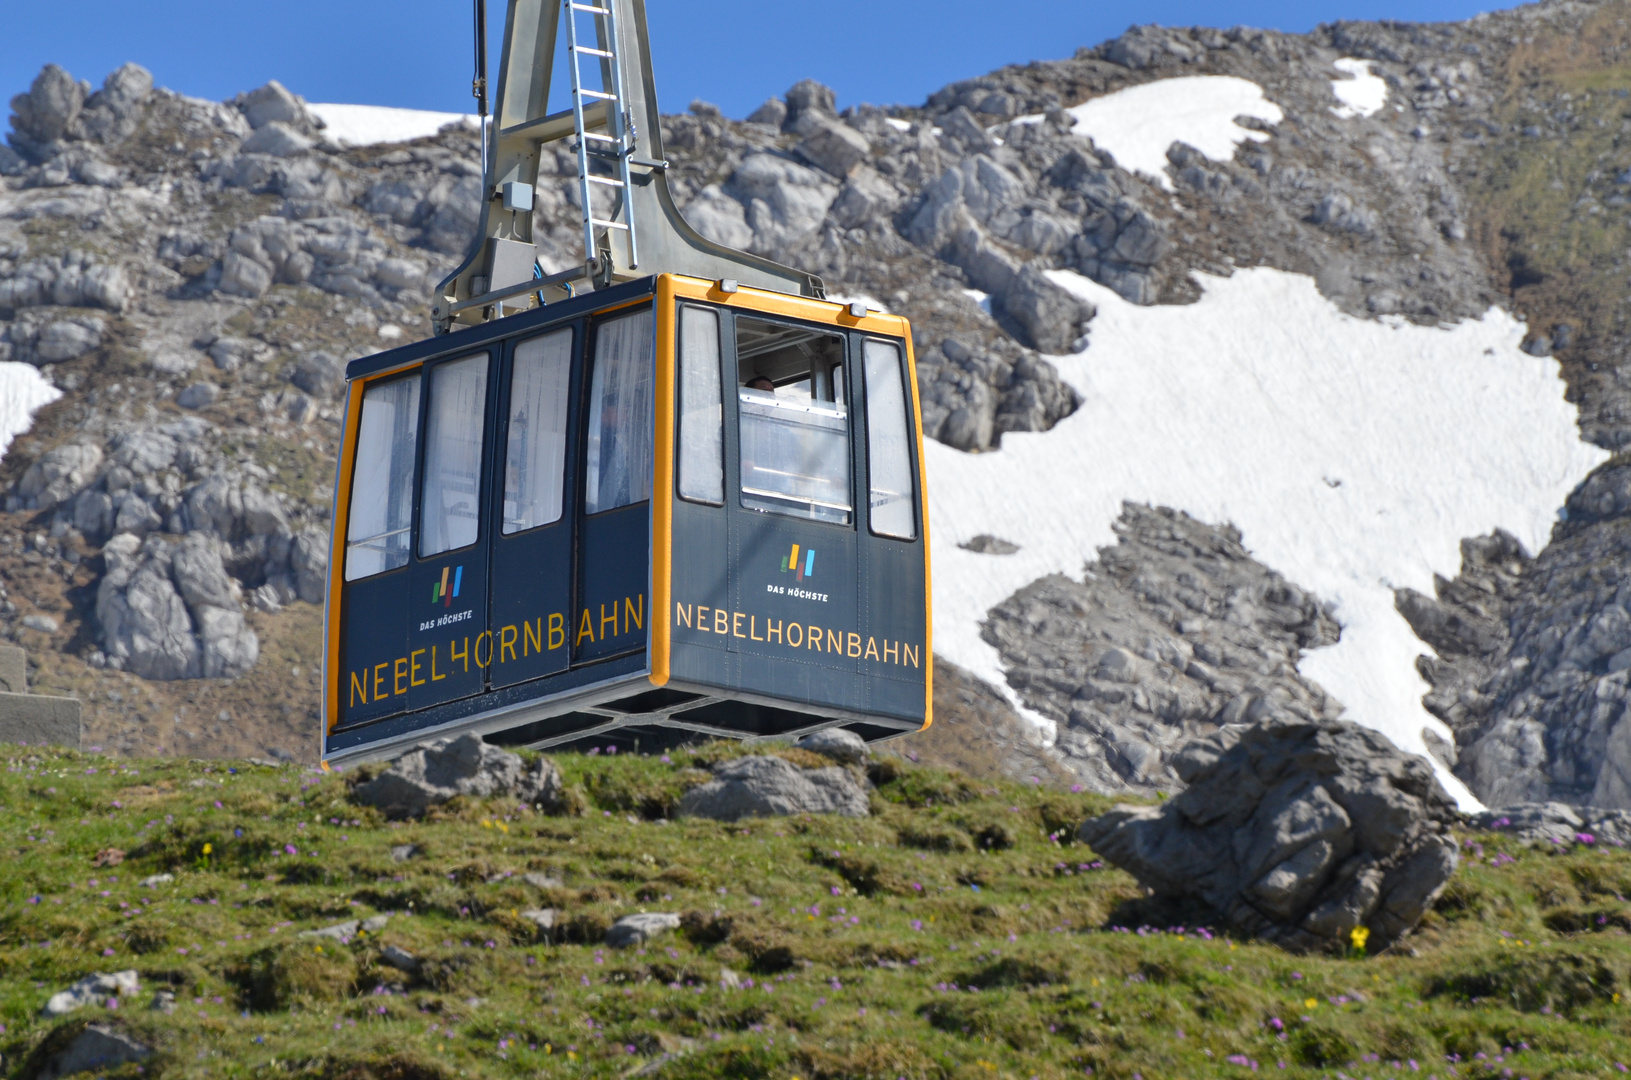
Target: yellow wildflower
{"type": "Point", "coordinates": [1359, 936]}
{"type": "Point", "coordinates": [208, 848]}
{"type": "Point", "coordinates": [1311, 1003]}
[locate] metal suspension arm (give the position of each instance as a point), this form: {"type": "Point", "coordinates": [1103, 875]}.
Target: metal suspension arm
{"type": "Point", "coordinates": [633, 228]}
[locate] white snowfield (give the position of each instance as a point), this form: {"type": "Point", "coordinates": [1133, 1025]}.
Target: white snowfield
{"type": "Point", "coordinates": [1353, 455]}
{"type": "Point", "coordinates": [1362, 93]}
{"type": "Point", "coordinates": [364, 125]}
{"type": "Point", "coordinates": [23, 392]}
{"type": "Point", "coordinates": [1139, 124]}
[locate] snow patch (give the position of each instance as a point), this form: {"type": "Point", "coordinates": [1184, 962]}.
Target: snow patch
{"type": "Point", "coordinates": [363, 125]}
{"type": "Point", "coordinates": [897, 123]}
{"type": "Point", "coordinates": [1139, 124]}
{"type": "Point", "coordinates": [981, 298]}
{"type": "Point", "coordinates": [23, 392]}
{"type": "Point", "coordinates": [1353, 455]}
{"type": "Point", "coordinates": [1362, 93]}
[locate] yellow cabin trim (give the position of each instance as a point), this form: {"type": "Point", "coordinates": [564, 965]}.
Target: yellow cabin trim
{"type": "Point", "coordinates": [662, 486]}
{"type": "Point", "coordinates": [763, 301]}
{"type": "Point", "coordinates": [928, 575]}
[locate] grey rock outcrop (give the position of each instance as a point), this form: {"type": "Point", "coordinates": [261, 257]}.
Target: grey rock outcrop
{"type": "Point", "coordinates": [58, 473]}
{"type": "Point", "coordinates": [46, 114]}
{"type": "Point", "coordinates": [97, 1046]}
{"type": "Point", "coordinates": [171, 611]}
{"type": "Point", "coordinates": [639, 928]}
{"type": "Point", "coordinates": [37, 340]}
{"type": "Point", "coordinates": [784, 201]}
{"type": "Point", "coordinates": [771, 787]}
{"type": "Point", "coordinates": [1296, 833]}
{"type": "Point", "coordinates": [73, 279]}
{"type": "Point", "coordinates": [91, 990]}
{"type": "Point", "coordinates": [834, 148]}
{"type": "Point", "coordinates": [200, 395]}
{"type": "Point", "coordinates": [277, 139]}
{"type": "Point", "coordinates": [274, 104]}
{"type": "Point", "coordinates": [1533, 655]}
{"type": "Point", "coordinates": [1558, 824]}
{"type": "Point", "coordinates": [1173, 633]}
{"type": "Point", "coordinates": [844, 747]}
{"type": "Point", "coordinates": [344, 932]}
{"type": "Point", "coordinates": [808, 103]}
{"type": "Point", "coordinates": [433, 773]}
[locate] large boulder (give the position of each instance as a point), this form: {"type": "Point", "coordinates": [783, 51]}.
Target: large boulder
{"type": "Point", "coordinates": [808, 104]}
{"type": "Point", "coordinates": [840, 744]}
{"type": "Point", "coordinates": [834, 148]}
{"type": "Point", "coordinates": [274, 104]}
{"type": "Point", "coordinates": [145, 626]}
{"type": "Point", "coordinates": [97, 1047]}
{"type": "Point", "coordinates": [46, 114]}
{"type": "Point", "coordinates": [771, 787]}
{"type": "Point", "coordinates": [434, 773]}
{"type": "Point", "coordinates": [59, 473]}
{"type": "Point", "coordinates": [171, 611]}
{"type": "Point", "coordinates": [1294, 832]}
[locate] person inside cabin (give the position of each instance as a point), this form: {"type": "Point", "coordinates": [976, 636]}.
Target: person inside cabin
{"type": "Point", "coordinates": [761, 382]}
{"type": "Point", "coordinates": [615, 469]}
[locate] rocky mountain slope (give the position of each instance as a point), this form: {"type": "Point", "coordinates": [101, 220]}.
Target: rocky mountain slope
{"type": "Point", "coordinates": [191, 276]}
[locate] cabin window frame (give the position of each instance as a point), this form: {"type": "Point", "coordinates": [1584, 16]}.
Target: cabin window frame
{"type": "Point", "coordinates": [841, 385]}
{"type": "Point", "coordinates": [566, 488]}
{"type": "Point", "coordinates": [687, 455]}
{"type": "Point", "coordinates": [482, 419]}
{"type": "Point", "coordinates": [908, 432]}
{"type": "Point", "coordinates": [591, 407]}
{"type": "Point", "coordinates": [413, 379]}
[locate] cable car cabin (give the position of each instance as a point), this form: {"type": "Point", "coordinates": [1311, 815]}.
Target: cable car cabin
{"type": "Point", "coordinates": [667, 507]}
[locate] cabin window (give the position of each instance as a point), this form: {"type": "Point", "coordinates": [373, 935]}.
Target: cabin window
{"type": "Point", "coordinates": [382, 480]}
{"type": "Point", "coordinates": [453, 436]}
{"type": "Point", "coordinates": [535, 453]}
{"type": "Point", "coordinates": [794, 421]}
{"type": "Point", "coordinates": [702, 462]}
{"type": "Point", "coordinates": [888, 443]}
{"type": "Point", "coordinates": [620, 413]}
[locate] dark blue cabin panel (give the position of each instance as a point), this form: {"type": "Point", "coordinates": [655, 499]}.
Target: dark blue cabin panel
{"type": "Point", "coordinates": [614, 557]}
{"type": "Point", "coordinates": [373, 651]}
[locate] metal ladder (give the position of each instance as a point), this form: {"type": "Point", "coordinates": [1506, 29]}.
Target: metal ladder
{"type": "Point", "coordinates": [612, 149]}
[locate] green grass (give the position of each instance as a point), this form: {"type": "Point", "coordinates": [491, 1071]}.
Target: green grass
{"type": "Point", "coordinates": [854, 946]}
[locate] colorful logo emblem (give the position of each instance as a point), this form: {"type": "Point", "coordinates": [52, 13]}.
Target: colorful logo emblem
{"type": "Point", "coordinates": [439, 590]}
{"type": "Point", "coordinates": [803, 569]}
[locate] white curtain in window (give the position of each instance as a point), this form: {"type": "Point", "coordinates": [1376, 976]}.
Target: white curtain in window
{"type": "Point", "coordinates": [888, 443]}
{"type": "Point", "coordinates": [534, 459]}
{"type": "Point", "coordinates": [382, 480]}
{"type": "Point", "coordinates": [620, 413]}
{"type": "Point", "coordinates": [702, 464]}
{"type": "Point", "coordinates": [449, 503]}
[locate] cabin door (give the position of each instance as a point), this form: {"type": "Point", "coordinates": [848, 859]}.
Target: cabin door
{"type": "Point", "coordinates": [533, 517]}
{"type": "Point", "coordinates": [448, 635]}
{"type": "Point", "coordinates": [614, 550]}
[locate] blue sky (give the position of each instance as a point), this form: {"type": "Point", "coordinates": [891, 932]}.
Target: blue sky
{"type": "Point", "coordinates": [417, 53]}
